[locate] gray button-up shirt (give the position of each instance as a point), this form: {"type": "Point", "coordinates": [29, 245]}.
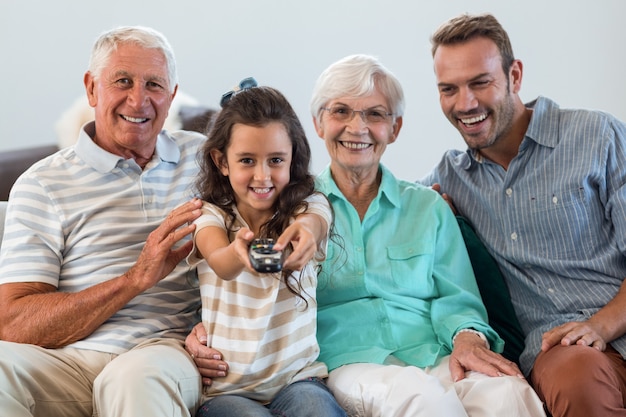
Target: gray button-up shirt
{"type": "Point", "coordinates": [555, 221]}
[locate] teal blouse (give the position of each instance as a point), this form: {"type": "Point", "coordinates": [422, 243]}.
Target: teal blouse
{"type": "Point", "coordinates": [399, 284]}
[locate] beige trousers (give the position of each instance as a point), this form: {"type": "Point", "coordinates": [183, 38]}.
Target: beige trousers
{"type": "Point", "coordinates": [156, 378]}
{"type": "Point", "coordinates": [372, 390]}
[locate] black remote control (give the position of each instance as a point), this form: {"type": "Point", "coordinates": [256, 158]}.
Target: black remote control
{"type": "Point", "coordinates": [263, 257]}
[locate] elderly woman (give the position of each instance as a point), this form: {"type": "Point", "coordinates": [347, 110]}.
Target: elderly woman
{"type": "Point", "coordinates": [401, 324]}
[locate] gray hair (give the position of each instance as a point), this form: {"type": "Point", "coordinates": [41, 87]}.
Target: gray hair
{"type": "Point", "coordinates": [145, 37]}
{"type": "Point", "coordinates": [357, 76]}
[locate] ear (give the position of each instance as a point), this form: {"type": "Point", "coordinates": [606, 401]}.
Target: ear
{"type": "Point", "coordinates": [174, 92]}
{"type": "Point", "coordinates": [172, 95]}
{"type": "Point", "coordinates": [220, 161]}
{"type": "Point", "coordinates": [319, 129]}
{"type": "Point", "coordinates": [396, 129]}
{"type": "Point", "coordinates": [515, 75]}
{"type": "Point", "coordinates": [90, 88]}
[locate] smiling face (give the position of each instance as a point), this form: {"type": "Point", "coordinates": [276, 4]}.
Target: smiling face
{"type": "Point", "coordinates": [131, 98]}
{"type": "Point", "coordinates": [476, 96]}
{"type": "Point", "coordinates": [356, 146]}
{"type": "Point", "coordinates": [257, 164]}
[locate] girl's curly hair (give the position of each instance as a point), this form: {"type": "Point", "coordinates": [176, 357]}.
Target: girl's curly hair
{"type": "Point", "coordinates": [258, 106]}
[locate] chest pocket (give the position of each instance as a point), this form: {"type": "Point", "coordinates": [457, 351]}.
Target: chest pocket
{"type": "Point", "coordinates": [564, 223]}
{"type": "Point", "coordinates": [410, 265]}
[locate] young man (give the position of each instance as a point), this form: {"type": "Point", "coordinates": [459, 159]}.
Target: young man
{"type": "Point", "coordinates": [546, 190]}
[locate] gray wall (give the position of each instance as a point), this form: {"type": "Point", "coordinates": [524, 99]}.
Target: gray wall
{"type": "Point", "coordinates": [572, 51]}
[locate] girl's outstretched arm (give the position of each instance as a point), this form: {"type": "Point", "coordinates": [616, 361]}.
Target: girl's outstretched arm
{"type": "Point", "coordinates": [226, 258]}
{"type": "Point", "coordinates": [305, 234]}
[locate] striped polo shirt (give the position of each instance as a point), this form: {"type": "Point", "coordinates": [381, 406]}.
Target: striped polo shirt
{"type": "Point", "coordinates": [82, 216]}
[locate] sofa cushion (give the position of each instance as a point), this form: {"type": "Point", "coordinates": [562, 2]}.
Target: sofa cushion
{"type": "Point", "coordinates": [494, 292]}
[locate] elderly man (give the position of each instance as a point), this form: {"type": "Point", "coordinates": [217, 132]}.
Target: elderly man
{"type": "Point", "coordinates": [95, 304]}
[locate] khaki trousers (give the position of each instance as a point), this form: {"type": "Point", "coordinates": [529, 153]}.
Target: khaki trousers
{"type": "Point", "coordinates": [155, 378]}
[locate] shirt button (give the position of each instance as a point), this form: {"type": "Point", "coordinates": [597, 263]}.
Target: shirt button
{"type": "Point", "coordinates": [509, 192]}
{"type": "Point", "coordinates": [551, 290]}
{"type": "Point", "coordinates": [555, 199]}
{"type": "Point", "coordinates": [514, 236]}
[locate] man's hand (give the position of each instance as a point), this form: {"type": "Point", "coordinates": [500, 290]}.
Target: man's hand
{"type": "Point", "coordinates": [471, 354]}
{"type": "Point", "coordinates": [580, 333]}
{"type": "Point", "coordinates": [158, 257]}
{"type": "Point", "coordinates": [606, 325]}
{"type": "Point", "coordinates": [446, 197]}
{"type": "Point", "coordinates": [208, 360]}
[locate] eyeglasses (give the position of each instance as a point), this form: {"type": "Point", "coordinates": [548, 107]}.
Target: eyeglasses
{"type": "Point", "coordinates": [345, 114]}
{"type": "Point", "coordinates": [245, 84]}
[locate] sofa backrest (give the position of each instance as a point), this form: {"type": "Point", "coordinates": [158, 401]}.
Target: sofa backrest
{"type": "Point", "coordinates": [14, 163]}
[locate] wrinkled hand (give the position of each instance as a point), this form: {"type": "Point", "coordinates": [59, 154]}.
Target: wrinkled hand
{"type": "Point", "coordinates": [158, 258]}
{"type": "Point", "coordinates": [446, 197]}
{"type": "Point", "coordinates": [471, 354]}
{"type": "Point", "coordinates": [208, 360]}
{"type": "Point", "coordinates": [303, 242]}
{"type": "Point", "coordinates": [584, 333]}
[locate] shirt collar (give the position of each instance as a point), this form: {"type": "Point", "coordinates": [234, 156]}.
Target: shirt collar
{"type": "Point", "coordinates": [388, 186]}
{"type": "Point", "coordinates": [543, 129]}
{"type": "Point", "coordinates": [104, 161]}
{"type": "Point", "coordinates": [544, 123]}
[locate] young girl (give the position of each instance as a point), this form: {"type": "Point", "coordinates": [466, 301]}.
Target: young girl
{"type": "Point", "coordinates": [255, 182]}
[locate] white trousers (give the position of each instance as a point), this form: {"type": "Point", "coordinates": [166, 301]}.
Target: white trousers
{"type": "Point", "coordinates": [373, 390]}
